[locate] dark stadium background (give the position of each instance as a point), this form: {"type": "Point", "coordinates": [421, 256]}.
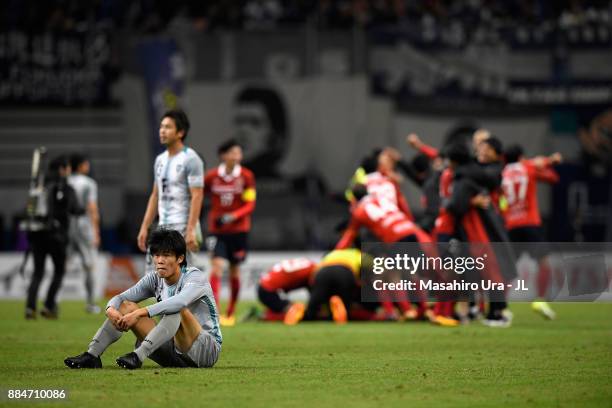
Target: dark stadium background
{"type": "Point", "coordinates": [335, 79]}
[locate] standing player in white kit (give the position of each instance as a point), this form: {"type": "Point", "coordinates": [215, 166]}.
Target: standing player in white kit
{"type": "Point", "coordinates": [178, 187]}
{"type": "Point", "coordinates": [84, 231]}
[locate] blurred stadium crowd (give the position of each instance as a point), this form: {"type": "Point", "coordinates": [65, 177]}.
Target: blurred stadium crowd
{"type": "Point", "coordinates": [150, 16]}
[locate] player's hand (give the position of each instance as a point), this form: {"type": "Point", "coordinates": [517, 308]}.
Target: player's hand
{"type": "Point", "coordinates": [481, 201]}
{"type": "Point", "coordinates": [129, 320]}
{"type": "Point", "coordinates": [555, 158]}
{"type": "Point", "coordinates": [225, 219]}
{"type": "Point", "coordinates": [142, 239]}
{"type": "Point", "coordinates": [114, 316]}
{"type": "Point", "coordinates": [395, 176]}
{"type": "Point", "coordinates": [191, 240]}
{"type": "Point", "coordinates": [414, 140]}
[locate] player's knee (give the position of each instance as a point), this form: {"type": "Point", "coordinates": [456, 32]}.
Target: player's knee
{"type": "Point", "coordinates": [234, 271]}
{"type": "Point", "coordinates": [127, 307]}
{"type": "Point", "coordinates": [216, 269]}
{"type": "Point", "coordinates": [185, 313]}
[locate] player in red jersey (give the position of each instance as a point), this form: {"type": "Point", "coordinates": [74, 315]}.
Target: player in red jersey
{"type": "Point", "coordinates": [382, 217]}
{"type": "Point", "coordinates": [522, 217]}
{"type": "Point", "coordinates": [232, 191]}
{"type": "Point", "coordinates": [285, 276]}
{"type": "Point", "coordinates": [377, 173]}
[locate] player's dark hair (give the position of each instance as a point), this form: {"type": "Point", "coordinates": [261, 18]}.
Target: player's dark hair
{"type": "Point", "coordinates": [359, 191]}
{"type": "Point", "coordinates": [461, 133]}
{"type": "Point", "coordinates": [458, 152]}
{"type": "Point", "coordinates": [513, 153]}
{"type": "Point", "coordinates": [180, 120]}
{"type": "Point", "coordinates": [76, 159]}
{"type": "Point", "coordinates": [58, 162]}
{"type": "Point", "coordinates": [227, 145]}
{"type": "Point", "coordinates": [421, 163]}
{"type": "Point", "coordinates": [495, 144]}
{"type": "Point", "coordinates": [370, 163]}
{"type": "Point", "coordinates": [167, 241]}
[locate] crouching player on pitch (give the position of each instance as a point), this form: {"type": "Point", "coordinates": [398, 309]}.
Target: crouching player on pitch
{"type": "Point", "coordinates": [334, 282]}
{"type": "Point", "coordinates": [282, 278]}
{"type": "Point", "coordinates": [187, 335]}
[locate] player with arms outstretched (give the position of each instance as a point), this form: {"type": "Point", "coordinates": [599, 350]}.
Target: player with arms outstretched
{"type": "Point", "coordinates": [232, 192]}
{"type": "Point", "coordinates": [522, 217]}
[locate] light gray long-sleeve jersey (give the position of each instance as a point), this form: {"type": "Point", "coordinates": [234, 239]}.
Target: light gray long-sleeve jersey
{"type": "Point", "coordinates": [192, 291]}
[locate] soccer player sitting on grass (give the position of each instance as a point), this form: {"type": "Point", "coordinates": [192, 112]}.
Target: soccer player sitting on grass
{"type": "Point", "coordinates": [187, 335]}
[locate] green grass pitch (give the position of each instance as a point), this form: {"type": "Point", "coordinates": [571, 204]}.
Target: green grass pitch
{"type": "Point", "coordinates": [566, 362]}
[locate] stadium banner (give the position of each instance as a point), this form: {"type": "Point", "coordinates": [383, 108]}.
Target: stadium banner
{"type": "Point", "coordinates": [457, 34]}
{"type": "Point", "coordinates": [67, 69]}
{"type": "Point", "coordinates": [459, 271]}
{"type": "Point", "coordinates": [480, 78]}
{"type": "Point", "coordinates": [163, 68]}
{"type": "Point", "coordinates": [15, 285]}
{"type": "Point", "coordinates": [277, 55]}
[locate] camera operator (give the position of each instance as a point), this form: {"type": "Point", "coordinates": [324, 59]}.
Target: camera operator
{"type": "Point", "coordinates": [52, 239]}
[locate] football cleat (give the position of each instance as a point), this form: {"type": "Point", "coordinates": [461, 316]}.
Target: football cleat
{"type": "Point", "coordinates": [410, 315]}
{"type": "Point", "coordinates": [92, 309]}
{"type": "Point", "coordinates": [338, 310]}
{"type": "Point", "coordinates": [84, 360]}
{"type": "Point", "coordinates": [129, 361]}
{"type": "Point", "coordinates": [227, 321]}
{"type": "Point", "coordinates": [49, 314]}
{"type": "Point", "coordinates": [500, 322]}
{"type": "Point", "coordinates": [294, 314]}
{"type": "Point", "coordinates": [30, 314]}
{"type": "Point", "coordinates": [544, 309]}
{"type": "Point", "coordinates": [445, 321]}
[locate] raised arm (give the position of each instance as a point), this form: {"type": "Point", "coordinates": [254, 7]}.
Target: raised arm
{"type": "Point", "coordinates": [415, 141]}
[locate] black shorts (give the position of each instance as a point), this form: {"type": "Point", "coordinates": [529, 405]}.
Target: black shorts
{"type": "Point", "coordinates": [272, 300]}
{"type": "Point", "coordinates": [232, 247]}
{"type": "Point", "coordinates": [530, 240]}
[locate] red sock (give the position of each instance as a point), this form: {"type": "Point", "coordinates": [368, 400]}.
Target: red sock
{"type": "Point", "coordinates": [215, 284]}
{"type": "Point", "coordinates": [448, 308]}
{"type": "Point", "coordinates": [361, 314]}
{"type": "Point", "coordinates": [421, 309]}
{"type": "Point", "coordinates": [388, 307]}
{"type": "Point", "coordinates": [404, 305]}
{"type": "Point", "coordinates": [543, 279]}
{"type": "Point", "coordinates": [438, 308]}
{"type": "Point", "coordinates": [234, 290]}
